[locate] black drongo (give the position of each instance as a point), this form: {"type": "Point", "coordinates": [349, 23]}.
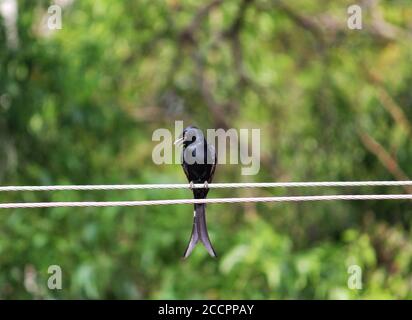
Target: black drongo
{"type": "Point", "coordinates": [199, 163]}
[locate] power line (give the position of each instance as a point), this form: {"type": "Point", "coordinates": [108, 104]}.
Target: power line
{"type": "Point", "coordinates": [212, 200]}
{"type": "Point", "coordinates": [210, 185]}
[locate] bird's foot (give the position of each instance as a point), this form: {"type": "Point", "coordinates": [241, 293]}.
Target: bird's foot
{"type": "Point", "coordinates": [191, 185]}
{"type": "Point", "coordinates": [206, 184]}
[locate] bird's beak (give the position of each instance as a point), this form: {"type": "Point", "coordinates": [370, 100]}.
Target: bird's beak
{"type": "Point", "coordinates": [179, 141]}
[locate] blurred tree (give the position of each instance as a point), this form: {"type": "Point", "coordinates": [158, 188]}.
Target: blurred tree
{"type": "Point", "coordinates": [79, 105]}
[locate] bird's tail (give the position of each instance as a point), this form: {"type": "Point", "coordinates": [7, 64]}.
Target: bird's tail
{"type": "Point", "coordinates": [199, 231]}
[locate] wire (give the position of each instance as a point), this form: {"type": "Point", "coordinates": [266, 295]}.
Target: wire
{"type": "Point", "coordinates": [212, 200]}
{"type": "Point", "coordinates": [210, 185]}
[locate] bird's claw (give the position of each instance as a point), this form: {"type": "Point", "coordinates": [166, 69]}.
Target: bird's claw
{"type": "Point", "coordinates": [206, 184]}
{"type": "Point", "coordinates": [191, 185]}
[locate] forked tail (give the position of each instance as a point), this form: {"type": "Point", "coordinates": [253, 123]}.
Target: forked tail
{"type": "Point", "coordinates": [199, 232]}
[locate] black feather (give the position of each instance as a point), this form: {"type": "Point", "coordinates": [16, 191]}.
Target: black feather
{"type": "Point", "coordinates": [199, 171]}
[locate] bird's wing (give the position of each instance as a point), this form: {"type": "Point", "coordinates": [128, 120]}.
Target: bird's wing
{"type": "Point", "coordinates": [185, 165]}
{"type": "Point", "coordinates": [186, 171]}
{"type": "Point", "coordinates": [212, 151]}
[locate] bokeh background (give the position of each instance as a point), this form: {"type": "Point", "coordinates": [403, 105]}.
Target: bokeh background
{"type": "Point", "coordinates": [79, 106]}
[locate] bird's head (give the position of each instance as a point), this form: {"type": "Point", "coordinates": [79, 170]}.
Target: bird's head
{"type": "Point", "coordinates": [189, 136]}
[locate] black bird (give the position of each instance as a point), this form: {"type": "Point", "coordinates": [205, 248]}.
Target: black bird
{"type": "Point", "coordinates": [199, 164]}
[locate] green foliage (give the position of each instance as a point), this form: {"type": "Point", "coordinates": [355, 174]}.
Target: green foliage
{"type": "Point", "coordinates": [79, 106]}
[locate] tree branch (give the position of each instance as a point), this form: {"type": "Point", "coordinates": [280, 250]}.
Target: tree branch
{"type": "Point", "coordinates": [384, 158]}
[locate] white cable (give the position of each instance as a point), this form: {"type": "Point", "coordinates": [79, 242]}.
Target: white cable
{"type": "Point", "coordinates": [210, 185]}
{"type": "Point", "coordinates": [214, 200]}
